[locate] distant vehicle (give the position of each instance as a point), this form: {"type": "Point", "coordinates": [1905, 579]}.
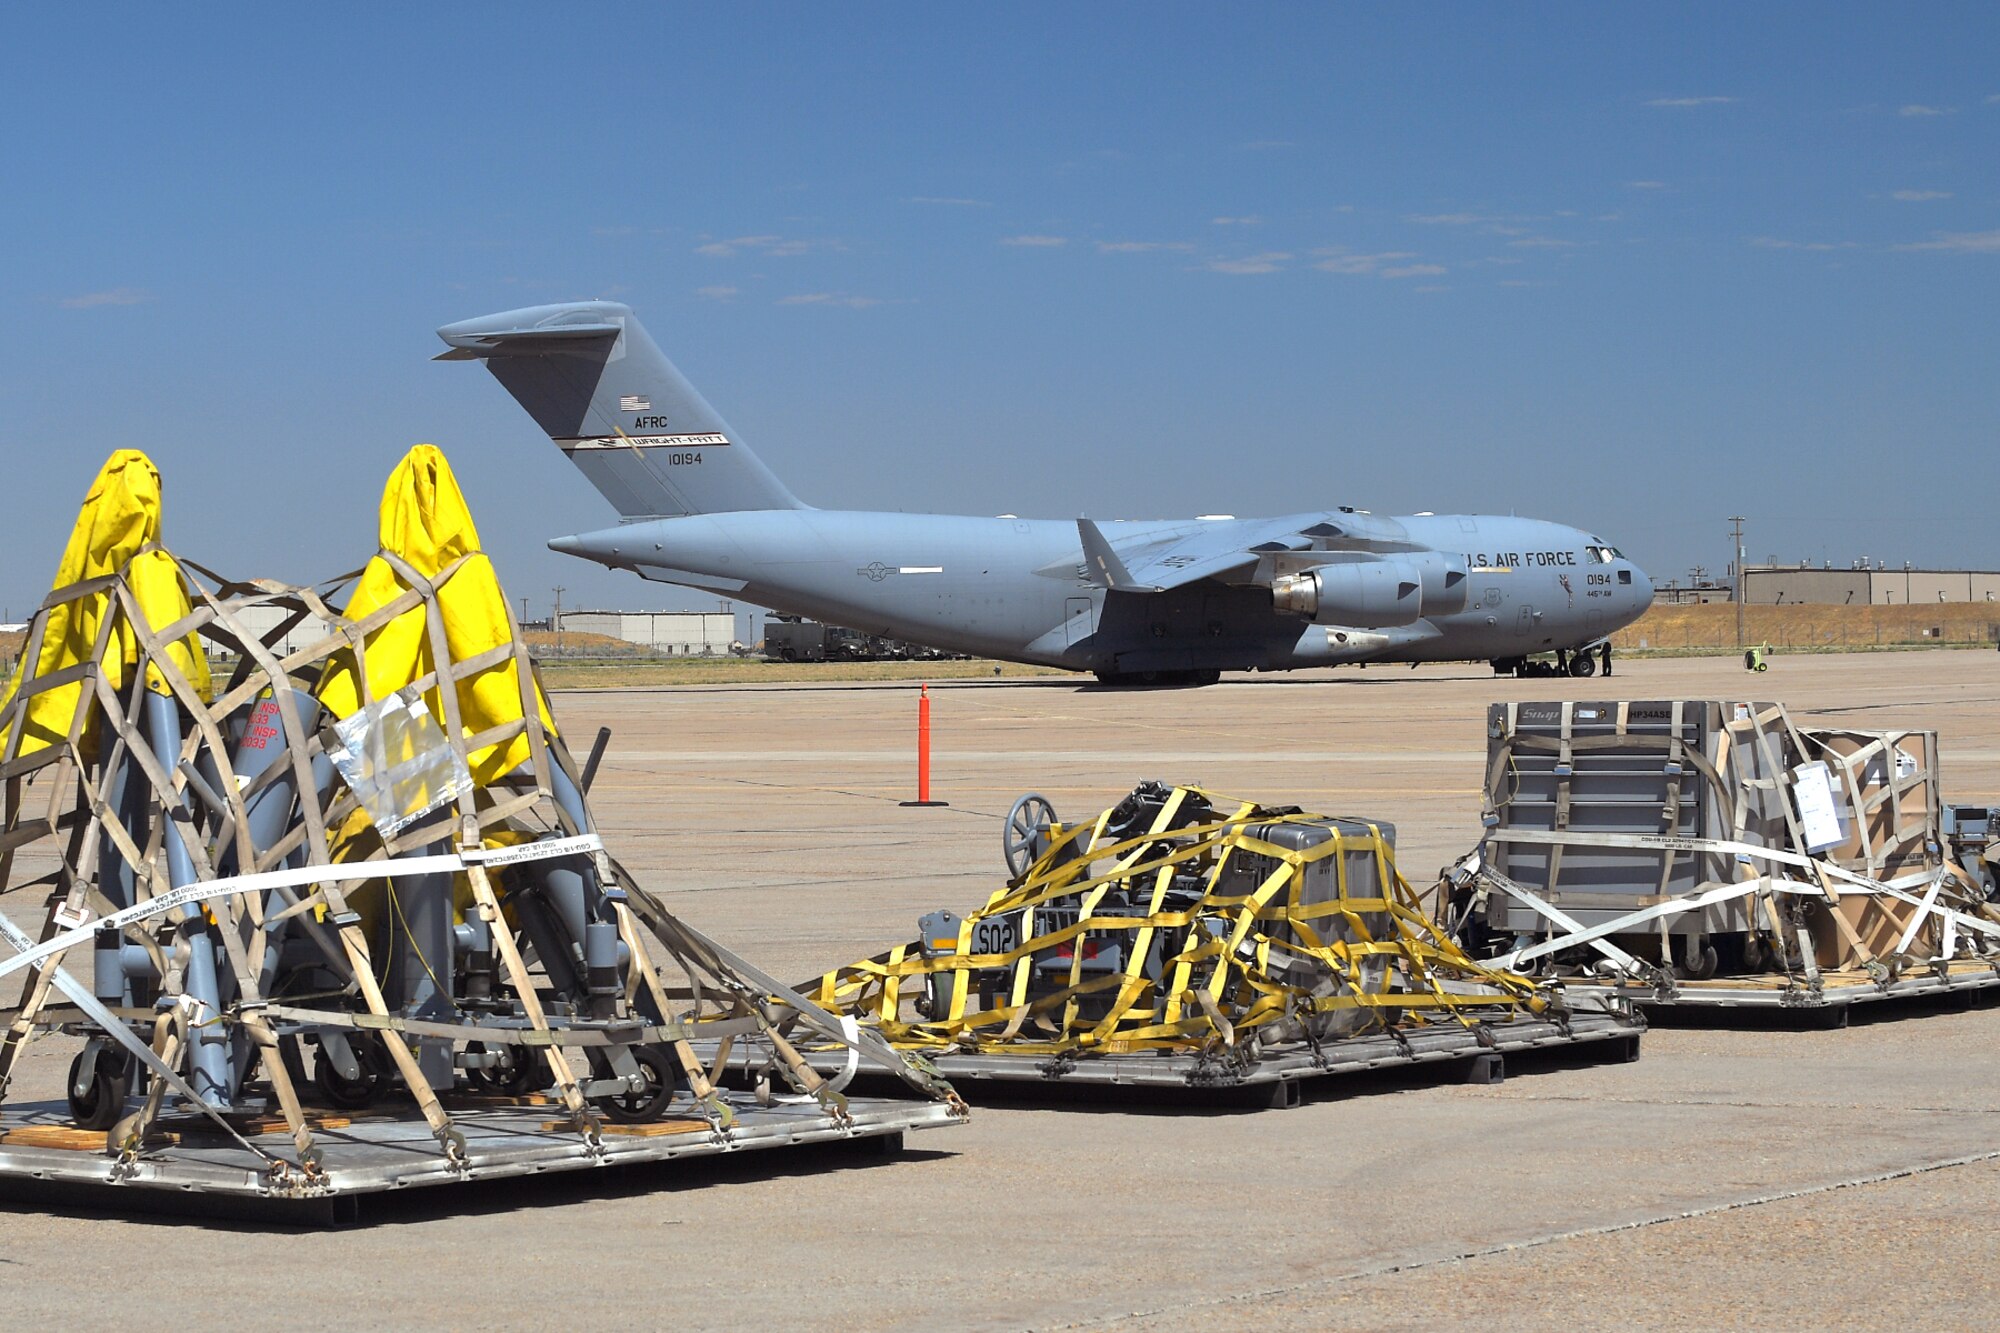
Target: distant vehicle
{"type": "Point", "coordinates": [1150, 602]}
{"type": "Point", "coordinates": [795, 639]}
{"type": "Point", "coordinates": [792, 639]}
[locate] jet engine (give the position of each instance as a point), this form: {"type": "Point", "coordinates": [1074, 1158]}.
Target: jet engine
{"type": "Point", "coordinates": [1368, 594]}
{"type": "Point", "coordinates": [1444, 579]}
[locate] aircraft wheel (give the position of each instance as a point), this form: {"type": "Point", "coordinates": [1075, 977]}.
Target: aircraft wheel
{"type": "Point", "coordinates": [1204, 677]}
{"type": "Point", "coordinates": [1583, 664]}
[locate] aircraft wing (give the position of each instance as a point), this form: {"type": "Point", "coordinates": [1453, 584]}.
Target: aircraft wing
{"type": "Point", "coordinates": [1215, 550]}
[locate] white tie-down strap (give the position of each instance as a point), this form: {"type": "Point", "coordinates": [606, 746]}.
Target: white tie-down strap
{"type": "Point", "coordinates": [298, 877]}
{"type": "Point", "coordinates": [850, 1031]}
{"type": "Point", "coordinates": [1849, 881]}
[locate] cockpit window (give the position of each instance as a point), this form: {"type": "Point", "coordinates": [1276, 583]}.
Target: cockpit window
{"type": "Point", "coordinates": [1602, 555]}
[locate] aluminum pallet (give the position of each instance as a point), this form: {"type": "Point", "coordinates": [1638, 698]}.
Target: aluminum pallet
{"type": "Point", "coordinates": [1769, 991]}
{"type": "Point", "coordinates": [375, 1153]}
{"type": "Point", "coordinates": [1610, 1037]}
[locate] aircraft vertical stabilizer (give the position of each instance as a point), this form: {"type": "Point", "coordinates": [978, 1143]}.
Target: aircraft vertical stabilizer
{"type": "Point", "coordinates": [613, 403]}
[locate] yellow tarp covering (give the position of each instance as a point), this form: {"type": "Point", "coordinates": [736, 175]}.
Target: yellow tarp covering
{"type": "Point", "coordinates": [426, 524]}
{"type": "Point", "coordinates": [120, 518]}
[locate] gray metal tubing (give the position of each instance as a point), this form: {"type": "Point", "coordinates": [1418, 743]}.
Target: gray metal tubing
{"type": "Point", "coordinates": [208, 1051]}
{"type": "Point", "coordinates": [571, 883]}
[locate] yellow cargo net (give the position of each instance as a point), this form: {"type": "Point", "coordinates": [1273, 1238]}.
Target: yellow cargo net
{"type": "Point", "coordinates": [1211, 927]}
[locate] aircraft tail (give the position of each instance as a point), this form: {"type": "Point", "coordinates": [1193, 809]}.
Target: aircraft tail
{"type": "Point", "coordinates": [589, 376]}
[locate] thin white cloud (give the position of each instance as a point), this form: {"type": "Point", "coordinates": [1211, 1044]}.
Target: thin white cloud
{"type": "Point", "coordinates": [1036, 241]}
{"type": "Point", "coordinates": [1689, 101]}
{"type": "Point", "coordinates": [1430, 287]}
{"type": "Point", "coordinates": [1269, 262]}
{"type": "Point", "coordinates": [950, 203]}
{"type": "Point", "coordinates": [110, 296]}
{"type": "Point", "coordinates": [1251, 221]}
{"type": "Point", "coordinates": [1542, 243]}
{"type": "Point", "coordinates": [1916, 109]}
{"type": "Point", "coordinates": [1139, 247]}
{"type": "Point", "coordinates": [716, 293]}
{"type": "Point", "coordinates": [1448, 219]}
{"type": "Point", "coordinates": [776, 247]}
{"type": "Point", "coordinates": [1920, 196]}
{"type": "Point", "coordinates": [1515, 282]}
{"type": "Point", "coordinates": [1340, 261]}
{"type": "Point", "coordinates": [831, 298]}
{"type": "Point", "coordinates": [1414, 271]}
{"type": "Point", "coordinates": [1780, 243]}
{"type": "Point", "coordinates": [1993, 99]}
{"type": "Point", "coordinates": [1645, 185]}
{"type": "Point", "coordinates": [1960, 242]}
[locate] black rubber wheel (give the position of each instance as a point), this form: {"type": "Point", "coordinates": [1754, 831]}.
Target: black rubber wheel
{"type": "Point", "coordinates": [520, 1074]}
{"type": "Point", "coordinates": [662, 1078]}
{"type": "Point", "coordinates": [1583, 664]}
{"type": "Point", "coordinates": [1701, 964]}
{"type": "Point", "coordinates": [352, 1094]}
{"type": "Point", "coordinates": [104, 1100]}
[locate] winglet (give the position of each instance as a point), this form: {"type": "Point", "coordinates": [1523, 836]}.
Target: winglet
{"type": "Point", "coordinates": [1106, 569]}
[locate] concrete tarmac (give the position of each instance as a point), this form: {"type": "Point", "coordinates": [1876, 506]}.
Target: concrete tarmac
{"type": "Point", "coordinates": [1755, 1177]}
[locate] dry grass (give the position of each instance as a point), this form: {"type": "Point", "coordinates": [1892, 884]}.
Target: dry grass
{"type": "Point", "coordinates": [558, 674]}
{"type": "Point", "coordinates": [1712, 626]}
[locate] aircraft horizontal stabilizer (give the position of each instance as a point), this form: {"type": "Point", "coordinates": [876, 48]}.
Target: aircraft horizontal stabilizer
{"type": "Point", "coordinates": [473, 346]}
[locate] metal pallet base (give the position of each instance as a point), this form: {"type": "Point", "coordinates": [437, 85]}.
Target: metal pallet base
{"type": "Point", "coordinates": [374, 1153]}
{"type": "Point", "coordinates": [1282, 1071]}
{"type": "Point", "coordinates": [1836, 989]}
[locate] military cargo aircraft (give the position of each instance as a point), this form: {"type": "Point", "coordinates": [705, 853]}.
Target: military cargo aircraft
{"type": "Point", "coordinates": [1145, 602]}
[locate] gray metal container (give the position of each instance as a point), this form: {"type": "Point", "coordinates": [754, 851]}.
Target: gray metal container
{"type": "Point", "coordinates": [1319, 882]}
{"type": "Point", "coordinates": [1628, 767]}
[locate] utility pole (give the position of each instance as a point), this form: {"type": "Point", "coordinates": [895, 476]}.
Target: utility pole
{"type": "Point", "coordinates": [524, 610]}
{"type": "Point", "coordinates": [556, 623]}
{"type": "Point", "coordinates": [1736, 533]}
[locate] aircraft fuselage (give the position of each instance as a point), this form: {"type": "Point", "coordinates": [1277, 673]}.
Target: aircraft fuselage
{"type": "Point", "coordinates": [1016, 589]}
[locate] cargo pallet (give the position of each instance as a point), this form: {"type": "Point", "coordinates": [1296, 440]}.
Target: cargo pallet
{"type": "Point", "coordinates": [1282, 1071]}
{"type": "Point", "coordinates": [1771, 991]}
{"type": "Point", "coordinates": [45, 1159]}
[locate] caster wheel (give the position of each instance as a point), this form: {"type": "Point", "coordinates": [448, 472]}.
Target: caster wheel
{"type": "Point", "coordinates": [519, 1073]}
{"type": "Point", "coordinates": [634, 1108]}
{"type": "Point", "coordinates": [102, 1099]}
{"type": "Point", "coordinates": [352, 1094]}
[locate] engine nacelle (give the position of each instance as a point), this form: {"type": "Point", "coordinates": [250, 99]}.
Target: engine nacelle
{"type": "Point", "coordinates": [1444, 575]}
{"type": "Point", "coordinates": [1366, 594]}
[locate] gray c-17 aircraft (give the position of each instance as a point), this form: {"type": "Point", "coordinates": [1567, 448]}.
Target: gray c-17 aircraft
{"type": "Point", "coordinates": [1149, 602]}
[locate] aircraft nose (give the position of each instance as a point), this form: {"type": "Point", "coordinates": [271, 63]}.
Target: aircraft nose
{"type": "Point", "coordinates": [1642, 588]}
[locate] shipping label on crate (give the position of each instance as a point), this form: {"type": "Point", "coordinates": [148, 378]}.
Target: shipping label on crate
{"type": "Point", "coordinates": [1819, 816]}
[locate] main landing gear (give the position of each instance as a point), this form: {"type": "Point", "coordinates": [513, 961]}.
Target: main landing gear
{"type": "Point", "coordinates": [1568, 662]}
{"type": "Point", "coordinates": [1156, 679]}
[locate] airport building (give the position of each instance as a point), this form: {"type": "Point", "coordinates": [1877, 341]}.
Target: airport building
{"type": "Point", "coordinates": [676, 633]}
{"type": "Point", "coordinates": [1786, 585]}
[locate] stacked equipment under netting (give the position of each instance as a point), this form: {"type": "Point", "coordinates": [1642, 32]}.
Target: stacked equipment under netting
{"type": "Point", "coordinates": [371, 852]}
{"type": "Point", "coordinates": [1184, 937]}
{"type": "Point", "coordinates": [1717, 852]}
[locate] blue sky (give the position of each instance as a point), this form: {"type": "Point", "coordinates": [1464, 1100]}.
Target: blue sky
{"type": "Point", "coordinates": [1636, 268]}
